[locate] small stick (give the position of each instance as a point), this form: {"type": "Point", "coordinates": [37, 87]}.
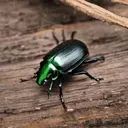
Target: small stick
{"type": "Point", "coordinates": [96, 12]}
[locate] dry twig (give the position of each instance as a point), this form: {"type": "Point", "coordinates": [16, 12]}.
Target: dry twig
{"type": "Point", "coordinates": [97, 12]}
{"type": "Point", "coordinates": [121, 1]}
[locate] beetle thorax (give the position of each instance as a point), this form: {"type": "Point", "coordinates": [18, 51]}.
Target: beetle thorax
{"type": "Point", "coordinates": [54, 71]}
{"type": "Point", "coordinates": [47, 71]}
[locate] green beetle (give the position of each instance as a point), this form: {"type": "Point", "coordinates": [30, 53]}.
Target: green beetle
{"type": "Point", "coordinates": [64, 59]}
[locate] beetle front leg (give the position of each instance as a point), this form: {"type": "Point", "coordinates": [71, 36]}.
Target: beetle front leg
{"type": "Point", "coordinates": [49, 90]}
{"type": "Point", "coordinates": [86, 73]}
{"type": "Point", "coordinates": [24, 80]}
{"type": "Point", "coordinates": [33, 77]}
{"type": "Point", "coordinates": [61, 96]}
{"type": "Point", "coordinates": [94, 59]}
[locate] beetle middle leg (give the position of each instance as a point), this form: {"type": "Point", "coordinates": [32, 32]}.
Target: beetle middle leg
{"type": "Point", "coordinates": [61, 96]}
{"type": "Point", "coordinates": [86, 73]}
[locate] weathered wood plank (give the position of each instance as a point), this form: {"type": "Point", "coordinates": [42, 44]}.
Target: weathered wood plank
{"type": "Point", "coordinates": [95, 105]}
{"type": "Point", "coordinates": [20, 17]}
{"type": "Point", "coordinates": [27, 105]}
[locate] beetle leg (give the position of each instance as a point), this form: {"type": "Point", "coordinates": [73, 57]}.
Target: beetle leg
{"type": "Point", "coordinates": [49, 90]}
{"type": "Point", "coordinates": [61, 96]}
{"type": "Point", "coordinates": [73, 34]}
{"type": "Point", "coordinates": [24, 80]}
{"type": "Point", "coordinates": [55, 38]}
{"type": "Point", "coordinates": [86, 73]}
{"type": "Point", "coordinates": [94, 59]}
{"type": "Point", "coordinates": [63, 35]}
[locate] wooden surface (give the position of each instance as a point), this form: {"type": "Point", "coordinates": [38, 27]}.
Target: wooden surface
{"type": "Point", "coordinates": [25, 105]}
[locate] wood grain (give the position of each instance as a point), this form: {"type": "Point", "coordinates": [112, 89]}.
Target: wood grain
{"type": "Point", "coordinates": [95, 105]}
{"type": "Point", "coordinates": [24, 40]}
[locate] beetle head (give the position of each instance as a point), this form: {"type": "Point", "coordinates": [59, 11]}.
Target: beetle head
{"type": "Point", "coordinates": [46, 72]}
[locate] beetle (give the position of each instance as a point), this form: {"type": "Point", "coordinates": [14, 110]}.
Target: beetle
{"type": "Point", "coordinates": [64, 59]}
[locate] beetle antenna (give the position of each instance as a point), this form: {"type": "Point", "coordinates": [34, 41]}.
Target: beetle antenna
{"type": "Point", "coordinates": [63, 35]}
{"type": "Point", "coordinates": [55, 38]}
{"type": "Point", "coordinates": [73, 34]}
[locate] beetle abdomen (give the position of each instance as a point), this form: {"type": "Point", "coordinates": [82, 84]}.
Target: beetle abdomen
{"type": "Point", "coordinates": [68, 55]}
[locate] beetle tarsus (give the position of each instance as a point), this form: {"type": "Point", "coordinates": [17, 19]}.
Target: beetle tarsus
{"type": "Point", "coordinates": [95, 59]}
{"type": "Point", "coordinates": [86, 73]}
{"type": "Point", "coordinates": [102, 58]}
{"type": "Point", "coordinates": [63, 103]}
{"type": "Point", "coordinates": [98, 79]}
{"type": "Point", "coordinates": [49, 93]}
{"type": "Point", "coordinates": [23, 80]}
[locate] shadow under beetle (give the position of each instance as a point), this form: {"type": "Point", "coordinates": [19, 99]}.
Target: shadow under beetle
{"type": "Point", "coordinates": [64, 59]}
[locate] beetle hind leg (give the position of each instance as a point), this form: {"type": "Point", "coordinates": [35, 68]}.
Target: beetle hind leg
{"type": "Point", "coordinates": [61, 96]}
{"type": "Point", "coordinates": [94, 59]}
{"type": "Point", "coordinates": [86, 73]}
